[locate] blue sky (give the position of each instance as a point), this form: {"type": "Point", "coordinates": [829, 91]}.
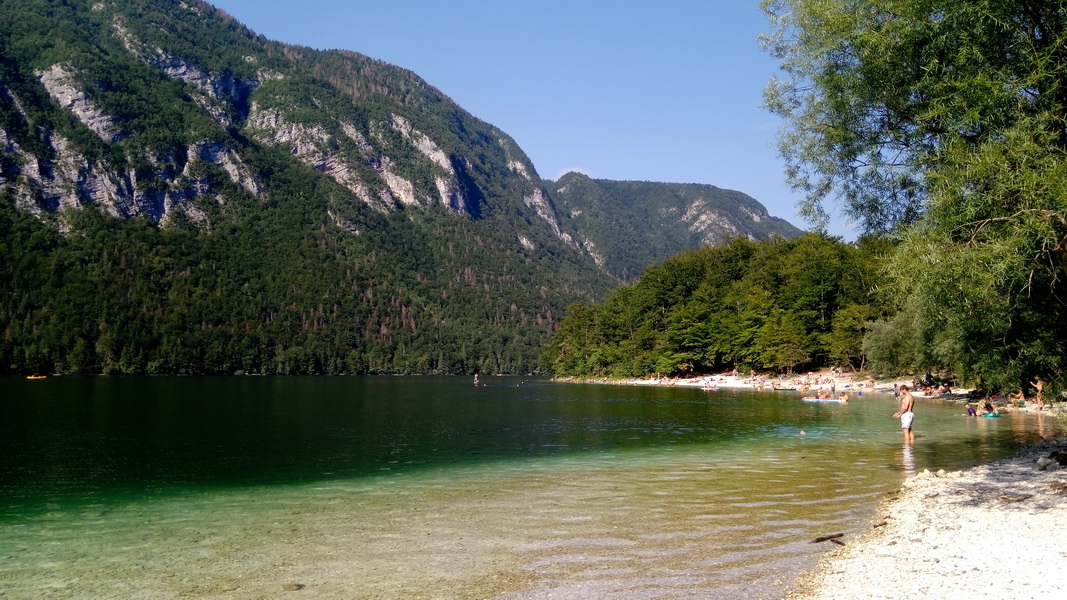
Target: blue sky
{"type": "Point", "coordinates": [658, 91]}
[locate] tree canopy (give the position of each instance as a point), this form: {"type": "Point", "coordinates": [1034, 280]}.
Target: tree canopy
{"type": "Point", "coordinates": [774, 305]}
{"type": "Point", "coordinates": [943, 122]}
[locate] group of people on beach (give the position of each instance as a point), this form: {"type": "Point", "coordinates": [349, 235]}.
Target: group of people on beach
{"type": "Point", "coordinates": [906, 414]}
{"type": "Point", "coordinates": [825, 388]}
{"type": "Point", "coordinates": [1018, 398]}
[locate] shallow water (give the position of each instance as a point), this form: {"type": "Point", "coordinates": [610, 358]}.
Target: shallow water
{"type": "Point", "coordinates": [430, 488]}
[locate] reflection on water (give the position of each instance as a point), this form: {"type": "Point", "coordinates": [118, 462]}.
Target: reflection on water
{"type": "Point", "coordinates": [907, 460]}
{"type": "Point", "coordinates": [424, 487]}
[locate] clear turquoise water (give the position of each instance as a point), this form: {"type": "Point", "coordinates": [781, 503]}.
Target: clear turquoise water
{"type": "Point", "coordinates": [427, 487]}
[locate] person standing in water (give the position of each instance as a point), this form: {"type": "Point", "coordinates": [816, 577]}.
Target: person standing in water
{"type": "Point", "coordinates": [906, 414]}
{"type": "Point", "coordinates": [1039, 389]}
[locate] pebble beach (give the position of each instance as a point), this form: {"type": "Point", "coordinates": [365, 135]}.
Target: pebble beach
{"type": "Point", "coordinates": [993, 531]}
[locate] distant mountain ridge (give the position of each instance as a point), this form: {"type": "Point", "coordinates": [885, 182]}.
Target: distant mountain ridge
{"type": "Point", "coordinates": [628, 225]}
{"type": "Point", "coordinates": [444, 249]}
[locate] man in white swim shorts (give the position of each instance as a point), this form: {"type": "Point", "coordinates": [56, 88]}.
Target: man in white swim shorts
{"type": "Point", "coordinates": [906, 414]}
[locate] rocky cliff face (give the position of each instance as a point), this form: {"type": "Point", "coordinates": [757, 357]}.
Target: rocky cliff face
{"type": "Point", "coordinates": [66, 177]}
{"type": "Point", "coordinates": [344, 124]}
{"type": "Point", "coordinates": [362, 162]}
{"type": "Point", "coordinates": [59, 81]}
{"type": "Point", "coordinates": [162, 106]}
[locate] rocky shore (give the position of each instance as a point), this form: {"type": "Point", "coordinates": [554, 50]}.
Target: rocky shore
{"type": "Point", "coordinates": [993, 531]}
{"type": "Point", "coordinates": [811, 383]}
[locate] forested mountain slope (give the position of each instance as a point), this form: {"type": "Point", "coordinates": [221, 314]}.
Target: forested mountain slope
{"type": "Point", "coordinates": [629, 225]}
{"type": "Point", "coordinates": [182, 195]}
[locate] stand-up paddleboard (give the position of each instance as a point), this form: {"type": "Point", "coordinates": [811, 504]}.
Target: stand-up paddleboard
{"type": "Point", "coordinates": [838, 400]}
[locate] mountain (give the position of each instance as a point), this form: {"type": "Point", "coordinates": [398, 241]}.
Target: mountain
{"type": "Point", "coordinates": [182, 195]}
{"type": "Point", "coordinates": [628, 225]}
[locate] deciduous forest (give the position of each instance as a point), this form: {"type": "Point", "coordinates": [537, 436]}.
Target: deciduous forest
{"type": "Point", "coordinates": [777, 306]}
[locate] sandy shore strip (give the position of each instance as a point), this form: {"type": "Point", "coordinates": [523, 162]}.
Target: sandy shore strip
{"type": "Point", "coordinates": [809, 384]}
{"type": "Point", "coordinates": [799, 383]}
{"type": "Point", "coordinates": [994, 531]}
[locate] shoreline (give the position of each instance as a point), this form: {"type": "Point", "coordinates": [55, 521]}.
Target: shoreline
{"type": "Point", "coordinates": [992, 531]}
{"type": "Point", "coordinates": [811, 383]}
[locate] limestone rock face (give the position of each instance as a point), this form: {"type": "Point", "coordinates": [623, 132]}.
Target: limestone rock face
{"type": "Point", "coordinates": [364, 163]}
{"type": "Point", "coordinates": [370, 139]}
{"type": "Point", "coordinates": [218, 154]}
{"type": "Point", "coordinates": [538, 201]}
{"type": "Point", "coordinates": [66, 178]}
{"type": "Point", "coordinates": [59, 81]}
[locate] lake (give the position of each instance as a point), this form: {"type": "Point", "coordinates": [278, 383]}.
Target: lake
{"type": "Point", "coordinates": [429, 487]}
